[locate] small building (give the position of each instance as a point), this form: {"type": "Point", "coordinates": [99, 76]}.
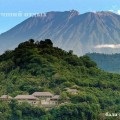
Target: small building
{"type": "Point", "coordinates": [72, 91]}
{"type": "Point", "coordinates": [27, 98]}
{"type": "Point", "coordinates": [55, 100]}
{"type": "Point", "coordinates": [51, 101]}
{"type": "Point", "coordinates": [45, 101]}
{"type": "Point", "coordinates": [6, 98]}
{"type": "Point", "coordinates": [43, 95]}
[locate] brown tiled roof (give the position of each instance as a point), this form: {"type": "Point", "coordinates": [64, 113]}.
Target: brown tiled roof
{"type": "Point", "coordinates": [25, 97]}
{"type": "Point", "coordinates": [72, 90]}
{"type": "Point", "coordinates": [38, 94]}
{"type": "Point", "coordinates": [56, 97]}
{"type": "Point", "coordinates": [5, 97]}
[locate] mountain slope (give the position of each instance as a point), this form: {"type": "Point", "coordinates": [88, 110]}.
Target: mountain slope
{"type": "Point", "coordinates": [68, 30]}
{"type": "Point", "coordinates": [110, 63]}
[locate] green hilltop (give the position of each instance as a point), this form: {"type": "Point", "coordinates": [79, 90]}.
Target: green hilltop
{"type": "Point", "coordinates": [38, 66]}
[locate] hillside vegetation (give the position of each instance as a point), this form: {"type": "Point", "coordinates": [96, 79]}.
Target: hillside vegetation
{"type": "Point", "coordinates": [38, 66]}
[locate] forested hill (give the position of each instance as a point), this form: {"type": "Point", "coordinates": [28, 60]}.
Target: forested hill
{"type": "Point", "coordinates": [38, 66]}
{"type": "Point", "coordinates": [107, 62]}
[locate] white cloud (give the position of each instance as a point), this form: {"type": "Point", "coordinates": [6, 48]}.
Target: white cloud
{"type": "Point", "coordinates": [115, 11]}
{"type": "Point", "coordinates": [118, 12]}
{"type": "Point", "coordinates": [113, 46]}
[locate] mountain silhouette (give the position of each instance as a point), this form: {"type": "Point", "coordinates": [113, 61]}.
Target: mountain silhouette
{"type": "Point", "coordinates": [69, 30]}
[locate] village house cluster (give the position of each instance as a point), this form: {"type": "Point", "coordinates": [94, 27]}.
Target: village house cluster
{"type": "Point", "coordinates": [45, 99]}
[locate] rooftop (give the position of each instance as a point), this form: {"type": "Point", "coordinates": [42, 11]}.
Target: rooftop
{"type": "Point", "coordinates": [56, 97]}
{"type": "Point", "coordinates": [5, 97]}
{"type": "Point", "coordinates": [25, 97]}
{"type": "Point", "coordinates": [38, 94]}
{"type": "Point", "coordinates": [71, 90]}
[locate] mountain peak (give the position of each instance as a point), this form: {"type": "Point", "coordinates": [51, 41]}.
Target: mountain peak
{"type": "Point", "coordinates": [75, 12]}
{"type": "Point", "coordinates": [52, 14]}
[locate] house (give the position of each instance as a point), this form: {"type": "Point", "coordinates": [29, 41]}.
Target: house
{"type": "Point", "coordinates": [43, 95]}
{"type": "Point", "coordinates": [44, 99]}
{"type": "Point", "coordinates": [6, 98]}
{"type": "Point", "coordinates": [28, 98]}
{"type": "Point", "coordinates": [55, 100]}
{"type": "Point", "coordinates": [51, 101]}
{"type": "Point", "coordinates": [72, 91]}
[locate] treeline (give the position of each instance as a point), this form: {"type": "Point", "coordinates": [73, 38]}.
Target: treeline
{"type": "Point", "coordinates": [24, 111]}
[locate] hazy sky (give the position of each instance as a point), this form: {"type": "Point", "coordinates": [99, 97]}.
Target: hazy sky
{"type": "Point", "coordinates": [41, 6]}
